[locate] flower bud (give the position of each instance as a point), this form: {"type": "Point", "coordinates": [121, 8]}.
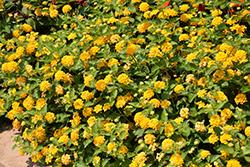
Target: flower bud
{"type": "Point", "coordinates": [158, 30]}
{"type": "Point", "coordinates": [238, 72]}
{"type": "Point", "coordinates": [140, 90]}
{"type": "Point", "coordinates": [23, 123]}
{"type": "Point", "coordinates": [196, 142]}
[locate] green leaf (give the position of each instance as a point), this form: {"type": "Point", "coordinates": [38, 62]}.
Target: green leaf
{"type": "Point", "coordinates": [131, 8]}
{"type": "Point", "coordinates": [105, 161]}
{"type": "Point", "coordinates": [195, 19]}
{"type": "Point", "coordinates": [245, 89]}
{"type": "Point", "coordinates": [44, 109]}
{"type": "Point", "coordinates": [135, 104]}
{"type": "Point", "coordinates": [24, 10]}
{"type": "Point", "coordinates": [7, 29]}
{"type": "Point", "coordinates": [237, 2]}
{"type": "Point", "coordinates": [114, 94]}
{"type": "Point", "coordinates": [31, 22]}
{"type": "Point", "coordinates": [186, 129]}
{"type": "Point", "coordinates": [55, 141]}
{"type": "Point", "coordinates": [62, 116]}
{"type": "Point", "coordinates": [81, 164]}
{"type": "Point", "coordinates": [164, 116]}
{"type": "Point", "coordinates": [205, 110]}
{"type": "Point", "coordinates": [151, 37]}
{"type": "Point", "coordinates": [241, 136]}
{"type": "Point", "coordinates": [211, 69]}
{"type": "Point", "coordinates": [72, 93]}
{"type": "Point", "coordinates": [87, 142]}
{"type": "Point", "coordinates": [68, 131]}
{"type": "Point", "coordinates": [38, 148]}
{"type": "Point", "coordinates": [247, 159]}
{"type": "Point", "coordinates": [191, 97]}
{"type": "Point", "coordinates": [162, 129]}
{"type": "Point", "coordinates": [214, 158]}
{"type": "Point", "coordinates": [138, 18]}
{"type": "Point", "coordinates": [28, 149]}
{"type": "Point", "coordinates": [172, 20]}
{"type": "Point", "coordinates": [246, 151]}
{"type": "Point", "coordinates": [120, 157]}
{"type": "Point", "coordinates": [220, 105]}
{"type": "Point", "coordinates": [123, 134]}
{"type": "Point", "coordinates": [14, 147]}
{"type": "Point", "coordinates": [224, 5]}
{"type": "Point", "coordinates": [139, 132]}
{"type": "Point", "coordinates": [67, 106]}
{"type": "Point", "coordinates": [20, 92]}
{"type": "Point", "coordinates": [226, 148]}
{"type": "Point", "coordinates": [1, 91]}
{"type": "Point", "coordinates": [156, 67]}
{"type": "Point", "coordinates": [88, 104]}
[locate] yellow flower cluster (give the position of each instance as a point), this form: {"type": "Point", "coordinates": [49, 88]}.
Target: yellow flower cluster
{"type": "Point", "coordinates": [27, 28]}
{"type": "Point", "coordinates": [100, 85]}
{"type": "Point", "coordinates": [44, 85]}
{"type": "Point", "coordinates": [139, 160]}
{"type": "Point", "coordinates": [99, 140]}
{"type": "Point", "coordinates": [10, 66]}
{"type": "Point", "coordinates": [68, 60]}
{"type": "Point", "coordinates": [140, 83]}
{"type": "Point", "coordinates": [66, 8]}
{"type": "Point", "coordinates": [124, 79]}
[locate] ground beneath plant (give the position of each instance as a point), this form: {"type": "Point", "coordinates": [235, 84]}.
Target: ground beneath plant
{"type": "Point", "coordinates": [9, 158]}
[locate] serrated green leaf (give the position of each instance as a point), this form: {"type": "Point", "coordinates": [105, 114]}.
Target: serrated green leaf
{"type": "Point", "coordinates": [87, 142]}
{"type": "Point", "coordinates": [214, 158]}
{"type": "Point", "coordinates": [131, 8]}
{"type": "Point", "coordinates": [226, 148]}
{"type": "Point", "coordinates": [211, 69]}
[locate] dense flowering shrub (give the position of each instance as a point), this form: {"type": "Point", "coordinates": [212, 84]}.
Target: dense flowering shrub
{"type": "Point", "coordinates": [127, 83]}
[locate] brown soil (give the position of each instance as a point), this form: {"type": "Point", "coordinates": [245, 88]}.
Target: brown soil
{"type": "Point", "coordinates": [9, 158]}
